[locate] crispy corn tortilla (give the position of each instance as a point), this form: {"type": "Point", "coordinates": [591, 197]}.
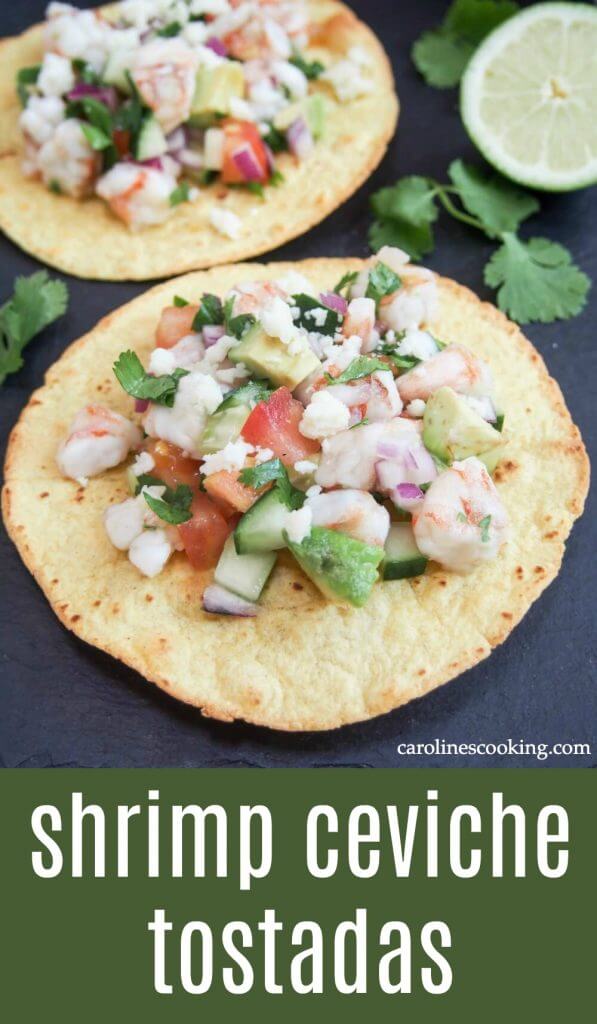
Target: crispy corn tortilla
{"type": "Point", "coordinates": [85, 239]}
{"type": "Point", "coordinates": [303, 663]}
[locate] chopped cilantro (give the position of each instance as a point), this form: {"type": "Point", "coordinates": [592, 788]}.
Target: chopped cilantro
{"type": "Point", "coordinates": [256, 188]}
{"type": "Point", "coordinates": [236, 325]}
{"type": "Point", "coordinates": [181, 194]}
{"type": "Point", "coordinates": [345, 282]}
{"type": "Point", "coordinates": [441, 54]}
{"type": "Point", "coordinates": [96, 138]}
{"type": "Point", "coordinates": [85, 72]}
{"type": "Point", "coordinates": [173, 29]}
{"type": "Point", "coordinates": [273, 471]}
{"type": "Point", "coordinates": [536, 280]}
{"type": "Point", "coordinates": [133, 378]}
{"type": "Point", "coordinates": [26, 78]}
{"type": "Point", "coordinates": [36, 302]}
{"type": "Point", "coordinates": [276, 178]}
{"type": "Point", "coordinates": [206, 177]}
{"type": "Point", "coordinates": [275, 139]}
{"type": "Point", "coordinates": [147, 480]}
{"type": "Point", "coordinates": [484, 527]}
{"type": "Point", "coordinates": [306, 304]}
{"type": "Point", "coordinates": [179, 301]}
{"type": "Point", "coordinates": [174, 506]}
{"type": "Point", "coordinates": [382, 281]}
{"type": "Point", "coordinates": [55, 187]}
{"type": "Point", "coordinates": [361, 423]}
{"type": "Point", "coordinates": [461, 518]}
{"type": "Point", "coordinates": [361, 366]}
{"type": "Point", "coordinates": [310, 68]}
{"type": "Point", "coordinates": [210, 312]}
{"type": "Point", "coordinates": [499, 423]}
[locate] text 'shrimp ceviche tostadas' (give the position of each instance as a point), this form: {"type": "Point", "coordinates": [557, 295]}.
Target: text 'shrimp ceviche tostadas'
{"type": "Point", "coordinates": [178, 134]}
{"type": "Point", "coordinates": [298, 494]}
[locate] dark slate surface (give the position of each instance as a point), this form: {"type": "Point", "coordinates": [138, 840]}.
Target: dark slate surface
{"type": "Point", "coordinates": [63, 703]}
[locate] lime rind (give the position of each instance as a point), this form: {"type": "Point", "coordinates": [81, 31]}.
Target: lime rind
{"type": "Point", "coordinates": [525, 49]}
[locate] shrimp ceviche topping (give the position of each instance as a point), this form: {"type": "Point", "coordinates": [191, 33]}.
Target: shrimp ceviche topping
{"type": "Point", "coordinates": [332, 424]}
{"type": "Point", "coordinates": [145, 103]}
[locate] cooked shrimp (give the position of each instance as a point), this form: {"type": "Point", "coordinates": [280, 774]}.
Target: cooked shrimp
{"type": "Point", "coordinates": [140, 196]}
{"type": "Point", "coordinates": [455, 367]}
{"type": "Point", "coordinates": [360, 320]}
{"type": "Point", "coordinates": [414, 303]}
{"type": "Point", "coordinates": [353, 512]}
{"type": "Point", "coordinates": [98, 439]}
{"type": "Point", "coordinates": [254, 296]}
{"type": "Point", "coordinates": [349, 458]}
{"type": "Point", "coordinates": [67, 160]}
{"type": "Point", "coordinates": [374, 398]}
{"type": "Point", "coordinates": [82, 35]}
{"type": "Point", "coordinates": [174, 323]}
{"type": "Point", "coordinates": [461, 521]}
{"type": "Point", "coordinates": [164, 73]}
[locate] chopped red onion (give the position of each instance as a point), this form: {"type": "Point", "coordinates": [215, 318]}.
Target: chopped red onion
{"type": "Point", "coordinates": [215, 44]}
{"type": "Point", "coordinates": [334, 301]}
{"type": "Point", "coordinates": [176, 140]}
{"type": "Point", "coordinates": [104, 93]}
{"type": "Point", "coordinates": [155, 162]}
{"type": "Point", "coordinates": [190, 158]}
{"type": "Point", "coordinates": [212, 333]}
{"type": "Point", "coordinates": [271, 160]}
{"type": "Point", "coordinates": [220, 601]}
{"type": "Point", "coordinates": [141, 404]}
{"type": "Point", "coordinates": [246, 162]}
{"type": "Point", "coordinates": [299, 138]}
{"type": "Point", "coordinates": [409, 492]}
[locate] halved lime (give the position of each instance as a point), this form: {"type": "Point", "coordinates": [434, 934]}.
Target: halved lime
{"type": "Point", "coordinates": [529, 96]}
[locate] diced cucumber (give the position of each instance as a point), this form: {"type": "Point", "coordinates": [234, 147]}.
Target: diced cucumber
{"type": "Point", "coordinates": [403, 558]}
{"type": "Point", "coordinates": [245, 575]}
{"type": "Point", "coordinates": [262, 527]}
{"type": "Point", "coordinates": [151, 141]}
{"type": "Point", "coordinates": [222, 426]}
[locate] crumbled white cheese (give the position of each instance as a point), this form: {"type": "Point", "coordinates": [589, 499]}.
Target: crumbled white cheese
{"type": "Point", "coordinates": [41, 117]}
{"type": "Point", "coordinates": [150, 551]}
{"type": "Point", "coordinates": [291, 77]}
{"type": "Point", "coordinates": [347, 81]}
{"type": "Point", "coordinates": [313, 491]}
{"type": "Point", "coordinates": [226, 222]}
{"type": "Point", "coordinates": [419, 344]}
{"type": "Point", "coordinates": [296, 284]}
{"type": "Point", "coordinates": [324, 416]}
{"type": "Point", "coordinates": [144, 463]}
{"type": "Point", "coordinates": [298, 524]}
{"type": "Point", "coordinates": [413, 304]}
{"type": "Point", "coordinates": [305, 466]}
{"type": "Point", "coordinates": [230, 458]}
{"type": "Point", "coordinates": [197, 396]}
{"type": "Point", "coordinates": [263, 455]}
{"type": "Point", "coordinates": [241, 109]}
{"type": "Point", "coordinates": [341, 356]}
{"type": "Point", "coordinates": [56, 76]}
{"type": "Point", "coordinates": [276, 320]}
{"type": "Point", "coordinates": [416, 407]}
{"type": "Point", "coordinates": [123, 523]}
{"type": "Point", "coordinates": [318, 315]}
{"type": "Point", "coordinates": [161, 362]}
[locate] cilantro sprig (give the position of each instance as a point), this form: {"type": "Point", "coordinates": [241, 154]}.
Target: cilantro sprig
{"type": "Point", "coordinates": [306, 305]}
{"type": "Point", "coordinates": [36, 302]}
{"type": "Point", "coordinates": [441, 54]}
{"type": "Point", "coordinates": [210, 312]}
{"type": "Point", "coordinates": [133, 378]}
{"type": "Point", "coordinates": [174, 506]}
{"type": "Point", "coordinates": [312, 69]}
{"type": "Point", "coordinates": [361, 366]}
{"type": "Point", "coordinates": [536, 280]}
{"type": "Point", "coordinates": [273, 471]}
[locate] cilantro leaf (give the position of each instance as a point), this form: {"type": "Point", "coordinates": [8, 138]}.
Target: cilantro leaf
{"type": "Point", "coordinates": [96, 138]}
{"type": "Point", "coordinates": [26, 78]}
{"type": "Point", "coordinates": [133, 378]}
{"type": "Point", "coordinates": [273, 470]}
{"type": "Point", "coordinates": [361, 366]}
{"type": "Point", "coordinates": [179, 301]}
{"type": "Point", "coordinates": [405, 213]}
{"type": "Point", "coordinates": [275, 139]}
{"type": "Point", "coordinates": [498, 204]}
{"type": "Point", "coordinates": [310, 68]}
{"type": "Point", "coordinates": [306, 304]}
{"type": "Point", "coordinates": [210, 312]}
{"type": "Point", "coordinates": [441, 54]}
{"type": "Point", "coordinates": [174, 28]}
{"type": "Point", "coordinates": [175, 505]}
{"type": "Point", "coordinates": [382, 281]}
{"type": "Point", "coordinates": [147, 480]}
{"type": "Point", "coordinates": [536, 280]}
{"type": "Point", "coordinates": [37, 301]}
{"type": "Point", "coordinates": [484, 527]}
{"type": "Point", "coordinates": [181, 194]}
{"type": "Point", "coordinates": [236, 326]}
{"type": "Point", "coordinates": [345, 282]}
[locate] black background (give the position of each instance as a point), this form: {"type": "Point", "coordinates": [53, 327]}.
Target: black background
{"type": "Point", "coordinates": [64, 703]}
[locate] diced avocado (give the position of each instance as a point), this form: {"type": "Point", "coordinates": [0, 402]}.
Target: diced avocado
{"type": "Point", "coordinates": [312, 108]}
{"type": "Point", "coordinates": [343, 568]}
{"type": "Point", "coordinates": [269, 357]}
{"type": "Point", "coordinates": [402, 558]}
{"type": "Point", "coordinates": [262, 527]}
{"type": "Point", "coordinates": [214, 88]}
{"type": "Point", "coordinates": [222, 426]}
{"type": "Point", "coordinates": [151, 141]}
{"type": "Point", "coordinates": [245, 575]}
{"type": "Point", "coordinates": [115, 72]}
{"type": "Point", "coordinates": [453, 430]}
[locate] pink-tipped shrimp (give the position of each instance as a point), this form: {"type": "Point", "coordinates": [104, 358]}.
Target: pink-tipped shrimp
{"type": "Point", "coordinates": [455, 367]}
{"type": "Point", "coordinates": [164, 74]}
{"type": "Point", "coordinates": [353, 512]}
{"type": "Point", "coordinates": [98, 439]}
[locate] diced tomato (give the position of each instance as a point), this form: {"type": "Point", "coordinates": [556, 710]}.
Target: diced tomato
{"type": "Point", "coordinates": [275, 424]}
{"type": "Point", "coordinates": [243, 137]}
{"type": "Point", "coordinates": [205, 534]}
{"type": "Point", "coordinates": [175, 323]}
{"type": "Point", "coordinates": [122, 140]}
{"type": "Point", "coordinates": [171, 466]}
{"type": "Point", "coordinates": [225, 488]}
